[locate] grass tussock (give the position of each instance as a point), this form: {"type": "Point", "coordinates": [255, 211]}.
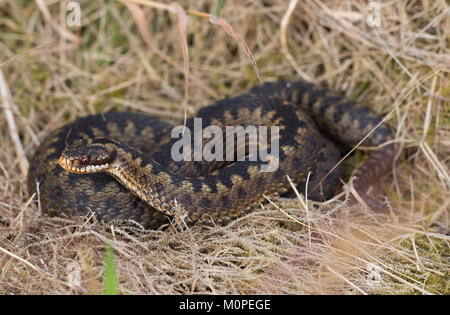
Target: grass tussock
{"type": "Point", "coordinates": [56, 73]}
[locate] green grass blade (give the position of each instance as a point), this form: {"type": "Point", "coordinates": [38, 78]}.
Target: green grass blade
{"type": "Point", "coordinates": [219, 7]}
{"type": "Point", "coordinates": [110, 285]}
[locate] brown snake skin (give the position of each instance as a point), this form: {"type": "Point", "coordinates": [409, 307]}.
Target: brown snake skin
{"type": "Point", "coordinates": [143, 184]}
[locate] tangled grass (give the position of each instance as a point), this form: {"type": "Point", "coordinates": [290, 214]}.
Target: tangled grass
{"type": "Point", "coordinates": [56, 73]}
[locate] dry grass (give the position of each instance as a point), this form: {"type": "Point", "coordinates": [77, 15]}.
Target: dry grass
{"type": "Point", "coordinates": [400, 67]}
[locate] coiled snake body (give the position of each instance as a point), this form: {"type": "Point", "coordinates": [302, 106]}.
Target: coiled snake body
{"type": "Point", "coordinates": [119, 166]}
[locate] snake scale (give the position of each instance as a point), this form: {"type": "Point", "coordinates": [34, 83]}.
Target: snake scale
{"type": "Point", "coordinates": [118, 165]}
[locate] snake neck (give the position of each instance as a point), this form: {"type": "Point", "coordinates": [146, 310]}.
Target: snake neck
{"type": "Point", "coordinates": [142, 178]}
{"type": "Point", "coordinates": [169, 193]}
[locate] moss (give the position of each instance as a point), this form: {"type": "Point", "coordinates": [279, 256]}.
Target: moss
{"type": "Point", "coordinates": [362, 87]}
{"type": "Point", "coordinates": [434, 255]}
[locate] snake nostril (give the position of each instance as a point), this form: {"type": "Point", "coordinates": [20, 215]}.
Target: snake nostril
{"type": "Point", "coordinates": [85, 160]}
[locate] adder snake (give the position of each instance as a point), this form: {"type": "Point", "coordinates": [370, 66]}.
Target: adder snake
{"type": "Point", "coordinates": [128, 173]}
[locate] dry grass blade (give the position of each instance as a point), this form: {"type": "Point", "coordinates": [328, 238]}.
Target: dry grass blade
{"type": "Point", "coordinates": [149, 3]}
{"type": "Point", "coordinates": [61, 30]}
{"type": "Point", "coordinates": [347, 281]}
{"type": "Point", "coordinates": [7, 252]}
{"type": "Point", "coordinates": [8, 106]}
{"type": "Point", "coordinates": [141, 22]}
{"type": "Point", "coordinates": [230, 31]}
{"type": "Point", "coordinates": [4, 64]}
{"type": "Point", "coordinates": [283, 40]}
{"type": "Point", "coordinates": [182, 28]}
{"type": "Point", "coordinates": [385, 118]}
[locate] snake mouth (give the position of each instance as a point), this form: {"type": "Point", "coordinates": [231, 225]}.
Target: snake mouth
{"type": "Point", "coordinates": [87, 156]}
{"type": "Point", "coordinates": [69, 165]}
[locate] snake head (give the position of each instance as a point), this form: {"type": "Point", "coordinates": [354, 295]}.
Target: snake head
{"type": "Point", "coordinates": [87, 156]}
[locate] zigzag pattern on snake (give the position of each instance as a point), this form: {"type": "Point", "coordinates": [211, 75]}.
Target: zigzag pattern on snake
{"type": "Point", "coordinates": [132, 176]}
